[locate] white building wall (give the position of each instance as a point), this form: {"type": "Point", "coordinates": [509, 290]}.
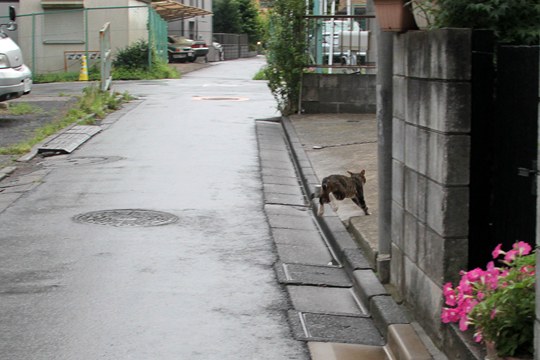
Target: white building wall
{"type": "Point", "coordinates": [48, 39]}
{"type": "Point", "coordinates": [202, 25]}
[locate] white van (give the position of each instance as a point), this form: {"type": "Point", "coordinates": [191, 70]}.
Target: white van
{"type": "Point", "coordinates": [15, 77]}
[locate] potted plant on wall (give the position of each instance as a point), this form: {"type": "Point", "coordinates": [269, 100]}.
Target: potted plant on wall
{"type": "Point", "coordinates": [499, 303]}
{"type": "Point", "coordinates": [394, 15]}
{"type": "Point", "coordinates": [424, 13]}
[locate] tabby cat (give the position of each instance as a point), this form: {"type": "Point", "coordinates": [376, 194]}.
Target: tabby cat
{"type": "Point", "coordinates": [341, 187]}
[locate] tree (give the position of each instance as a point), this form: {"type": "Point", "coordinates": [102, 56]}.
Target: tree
{"type": "Point", "coordinates": [227, 17]}
{"type": "Point", "coordinates": [250, 20]}
{"type": "Point", "coordinates": [286, 55]}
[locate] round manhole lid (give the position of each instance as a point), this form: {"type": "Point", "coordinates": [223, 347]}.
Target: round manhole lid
{"type": "Point", "coordinates": [127, 218]}
{"type": "Point", "coordinates": [221, 98]}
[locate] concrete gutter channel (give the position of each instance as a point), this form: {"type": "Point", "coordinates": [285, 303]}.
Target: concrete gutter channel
{"type": "Point", "coordinates": [401, 339]}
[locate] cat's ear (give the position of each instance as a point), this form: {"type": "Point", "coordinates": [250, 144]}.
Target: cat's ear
{"type": "Point", "coordinates": [363, 172]}
{"type": "Point", "coordinates": [350, 173]}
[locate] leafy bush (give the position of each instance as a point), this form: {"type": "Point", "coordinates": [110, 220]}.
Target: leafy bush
{"type": "Point", "coordinates": [131, 63]}
{"type": "Point", "coordinates": [513, 21]}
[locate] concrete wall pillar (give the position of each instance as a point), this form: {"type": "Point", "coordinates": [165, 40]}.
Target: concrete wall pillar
{"type": "Point", "coordinates": [430, 166]}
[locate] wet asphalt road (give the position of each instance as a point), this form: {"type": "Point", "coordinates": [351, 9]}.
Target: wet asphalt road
{"type": "Point", "coordinates": [202, 287]}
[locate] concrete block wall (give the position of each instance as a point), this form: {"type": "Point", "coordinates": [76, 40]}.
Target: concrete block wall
{"type": "Point", "coordinates": [338, 93]}
{"type": "Point", "coordinates": [430, 166]}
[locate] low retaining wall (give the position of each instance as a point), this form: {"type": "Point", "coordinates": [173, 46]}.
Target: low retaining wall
{"type": "Point", "coordinates": [338, 93]}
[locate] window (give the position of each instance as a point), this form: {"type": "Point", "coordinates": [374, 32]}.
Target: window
{"type": "Point", "coordinates": [62, 4]}
{"type": "Point", "coordinates": [63, 28]}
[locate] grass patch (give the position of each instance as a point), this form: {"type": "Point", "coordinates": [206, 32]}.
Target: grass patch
{"type": "Point", "coordinates": [92, 102]}
{"type": "Point", "coordinates": [261, 74]}
{"type": "Point", "coordinates": [160, 70]}
{"type": "Point", "coordinates": [21, 109]}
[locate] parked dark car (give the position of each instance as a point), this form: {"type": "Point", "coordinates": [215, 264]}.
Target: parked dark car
{"type": "Point", "coordinates": [179, 49]}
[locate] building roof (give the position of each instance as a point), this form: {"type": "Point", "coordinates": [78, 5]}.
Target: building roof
{"type": "Point", "coordinates": [172, 10]}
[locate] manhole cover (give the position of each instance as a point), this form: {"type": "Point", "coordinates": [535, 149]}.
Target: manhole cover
{"type": "Point", "coordinates": [220, 98]}
{"type": "Point", "coordinates": [127, 218]}
{"type": "Point", "coordinates": [67, 160]}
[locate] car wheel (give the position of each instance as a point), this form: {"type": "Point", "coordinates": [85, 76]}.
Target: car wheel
{"type": "Point", "coordinates": [192, 59]}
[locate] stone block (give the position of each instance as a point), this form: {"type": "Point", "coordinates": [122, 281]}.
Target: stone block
{"type": "Point", "coordinates": [398, 182]}
{"type": "Point", "coordinates": [418, 54]}
{"type": "Point", "coordinates": [441, 54]}
{"type": "Point", "coordinates": [422, 150]}
{"type": "Point", "coordinates": [405, 344]}
{"type": "Point", "coordinates": [311, 107]}
{"type": "Point", "coordinates": [423, 295]}
{"type": "Point", "coordinates": [450, 54]}
{"type": "Point", "coordinates": [449, 158]}
{"type": "Point", "coordinates": [317, 254]}
{"type": "Point", "coordinates": [417, 103]}
{"type": "Point", "coordinates": [386, 312]}
{"type": "Point", "coordinates": [354, 259]}
{"type": "Point", "coordinates": [410, 180]}
{"type": "Point", "coordinates": [311, 80]}
{"type": "Point", "coordinates": [367, 285]}
{"type": "Point", "coordinates": [300, 274]}
{"type": "Point", "coordinates": [328, 108]}
{"type": "Point", "coordinates": [411, 146]}
{"type": "Point", "coordinates": [399, 96]}
{"type": "Point", "coordinates": [410, 236]}
{"type": "Point", "coordinates": [324, 300]}
{"type": "Point", "coordinates": [397, 269]}
{"type": "Point", "coordinates": [449, 106]}
{"type": "Point", "coordinates": [448, 210]}
{"type": "Point", "coordinates": [310, 93]}
{"type": "Point", "coordinates": [456, 256]}
{"type": "Point", "coordinates": [329, 81]}
{"type": "Point", "coordinates": [398, 139]}
{"type": "Point", "coordinates": [334, 328]}
{"type": "Point", "coordinates": [397, 225]}
{"type": "Point", "coordinates": [422, 198]}
{"type": "Point", "coordinates": [400, 58]}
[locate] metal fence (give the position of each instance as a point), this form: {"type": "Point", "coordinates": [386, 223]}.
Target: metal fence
{"type": "Point", "coordinates": [54, 41]}
{"type": "Point", "coordinates": [235, 46]}
{"type": "Point", "coordinates": [340, 43]}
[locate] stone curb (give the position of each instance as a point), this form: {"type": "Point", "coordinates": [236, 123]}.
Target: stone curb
{"type": "Point", "coordinates": [391, 319]}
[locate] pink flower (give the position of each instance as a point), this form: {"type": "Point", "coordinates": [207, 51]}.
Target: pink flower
{"type": "Point", "coordinates": [510, 256]}
{"type": "Point", "coordinates": [474, 275]}
{"type": "Point", "coordinates": [449, 315]}
{"type": "Point", "coordinates": [478, 337]}
{"type": "Point", "coordinates": [449, 295]}
{"type": "Point", "coordinates": [464, 323]}
{"type": "Point", "coordinates": [527, 269]}
{"type": "Point", "coordinates": [497, 251]}
{"type": "Point", "coordinates": [493, 314]}
{"type": "Point", "coordinates": [522, 247]}
{"type": "Point", "coordinates": [480, 296]}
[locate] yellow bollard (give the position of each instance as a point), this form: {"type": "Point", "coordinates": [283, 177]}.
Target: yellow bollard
{"type": "Point", "coordinates": [83, 75]}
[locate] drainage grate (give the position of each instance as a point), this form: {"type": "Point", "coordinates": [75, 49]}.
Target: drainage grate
{"type": "Point", "coordinates": [127, 218]}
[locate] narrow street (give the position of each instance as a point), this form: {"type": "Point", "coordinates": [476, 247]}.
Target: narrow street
{"type": "Point", "coordinates": [150, 241]}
